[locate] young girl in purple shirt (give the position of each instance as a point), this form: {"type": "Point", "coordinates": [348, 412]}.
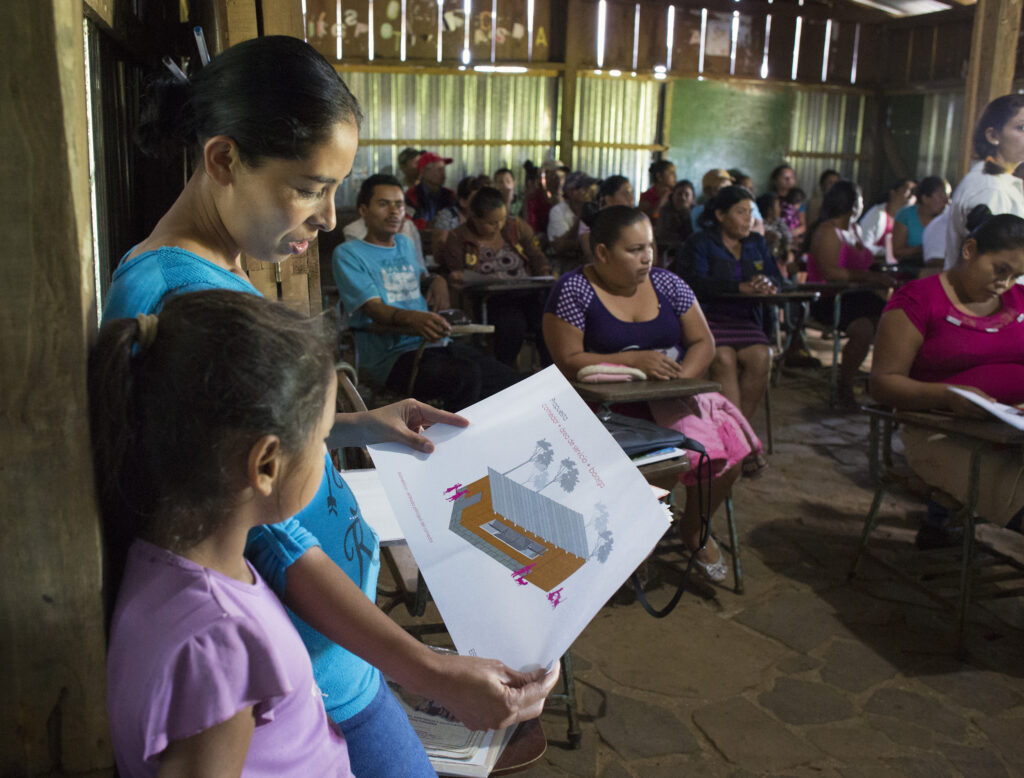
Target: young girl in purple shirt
{"type": "Point", "coordinates": [207, 421]}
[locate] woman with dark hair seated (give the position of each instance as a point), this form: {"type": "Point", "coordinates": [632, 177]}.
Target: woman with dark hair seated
{"type": "Point", "coordinates": [622, 310]}
{"type": "Point", "coordinates": [908, 230]}
{"type": "Point", "coordinates": [880, 218]}
{"type": "Point", "coordinates": [725, 257]}
{"type": "Point", "coordinates": [492, 244]}
{"type": "Point", "coordinates": [835, 253]}
{"type": "Point", "coordinates": [962, 328]}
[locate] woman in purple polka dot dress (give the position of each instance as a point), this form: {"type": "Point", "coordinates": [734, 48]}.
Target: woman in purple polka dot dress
{"type": "Point", "coordinates": [622, 310]}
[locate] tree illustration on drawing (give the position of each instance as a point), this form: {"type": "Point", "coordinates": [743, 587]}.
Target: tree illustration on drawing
{"type": "Point", "coordinates": [567, 476]}
{"type": "Point", "coordinates": [606, 539]}
{"type": "Point", "coordinates": [542, 455]}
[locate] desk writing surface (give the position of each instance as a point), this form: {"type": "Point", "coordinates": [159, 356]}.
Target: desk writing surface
{"type": "Point", "coordinates": [456, 330]}
{"type": "Point", "coordinates": [785, 296]}
{"type": "Point", "coordinates": [374, 505]}
{"type": "Point", "coordinates": [841, 287]}
{"type": "Point", "coordinates": [639, 391]}
{"type": "Point", "coordinates": [989, 430]}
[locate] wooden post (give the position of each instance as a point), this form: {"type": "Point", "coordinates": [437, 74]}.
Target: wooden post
{"type": "Point", "coordinates": [993, 57]}
{"type": "Point", "coordinates": [280, 17]}
{"type": "Point", "coordinates": [579, 28]}
{"type": "Point", "coordinates": [52, 709]}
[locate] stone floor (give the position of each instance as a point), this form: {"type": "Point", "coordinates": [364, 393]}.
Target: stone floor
{"type": "Point", "coordinates": [805, 674]}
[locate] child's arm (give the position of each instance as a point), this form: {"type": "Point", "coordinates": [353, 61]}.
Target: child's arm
{"type": "Point", "coordinates": [482, 693]}
{"type": "Point", "coordinates": [215, 752]}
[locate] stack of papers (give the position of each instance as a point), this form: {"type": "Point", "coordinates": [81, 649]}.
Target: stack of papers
{"type": "Point", "coordinates": [451, 748]}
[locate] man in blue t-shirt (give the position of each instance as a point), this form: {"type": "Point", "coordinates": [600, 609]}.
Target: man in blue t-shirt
{"type": "Point", "coordinates": [380, 282]}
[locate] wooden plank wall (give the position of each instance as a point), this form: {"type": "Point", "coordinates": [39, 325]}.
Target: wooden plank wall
{"type": "Point", "coordinates": [507, 35]}
{"type": "Point", "coordinates": [52, 718]}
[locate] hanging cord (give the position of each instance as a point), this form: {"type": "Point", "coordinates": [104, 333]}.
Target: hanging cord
{"type": "Point", "coordinates": [704, 504]}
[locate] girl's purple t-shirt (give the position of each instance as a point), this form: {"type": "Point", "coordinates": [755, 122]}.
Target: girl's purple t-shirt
{"type": "Point", "coordinates": [574, 301]}
{"type": "Point", "coordinates": [986, 352]}
{"type": "Point", "coordinates": [190, 648]}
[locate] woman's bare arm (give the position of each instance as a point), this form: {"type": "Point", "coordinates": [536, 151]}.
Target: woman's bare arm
{"type": "Point", "coordinates": [482, 693]}
{"type": "Point", "coordinates": [896, 346]}
{"type": "Point", "coordinates": [565, 344]}
{"type": "Point", "coordinates": [699, 342]}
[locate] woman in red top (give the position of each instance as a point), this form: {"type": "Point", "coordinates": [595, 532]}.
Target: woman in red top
{"type": "Point", "coordinates": [963, 328]}
{"type": "Point", "coordinates": [663, 181]}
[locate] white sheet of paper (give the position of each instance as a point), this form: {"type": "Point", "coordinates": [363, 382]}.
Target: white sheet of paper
{"type": "Point", "coordinates": [374, 505]}
{"type": "Point", "coordinates": [524, 523]}
{"type": "Point", "coordinates": [1007, 413]}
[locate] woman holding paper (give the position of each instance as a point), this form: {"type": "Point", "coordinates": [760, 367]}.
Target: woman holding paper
{"type": "Point", "coordinates": [622, 310]}
{"type": "Point", "coordinates": [273, 130]}
{"type": "Point", "coordinates": [963, 328]}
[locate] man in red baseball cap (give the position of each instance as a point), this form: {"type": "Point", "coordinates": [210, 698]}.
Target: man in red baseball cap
{"type": "Point", "coordinates": [430, 196]}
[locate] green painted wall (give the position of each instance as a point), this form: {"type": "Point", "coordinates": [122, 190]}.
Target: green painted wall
{"type": "Point", "coordinates": [717, 125]}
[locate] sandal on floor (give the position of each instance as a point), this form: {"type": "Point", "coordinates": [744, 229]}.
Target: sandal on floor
{"type": "Point", "coordinates": [714, 571]}
{"type": "Point", "coordinates": [753, 466]}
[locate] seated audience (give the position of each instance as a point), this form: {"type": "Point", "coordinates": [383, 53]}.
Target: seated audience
{"type": "Point", "coordinates": [825, 181]}
{"type": "Point", "coordinates": [380, 283]}
{"type": "Point", "coordinates": [496, 246]}
{"type": "Point", "coordinates": [743, 180]}
{"type": "Point", "coordinates": [357, 231]}
{"type": "Point", "coordinates": [776, 233]}
{"type": "Point", "coordinates": [622, 310]}
{"type": "Point", "coordinates": [505, 182]}
{"type": "Point", "coordinates": [836, 254]}
{"type": "Point", "coordinates": [430, 196]}
{"type": "Point", "coordinates": [933, 243]}
{"type": "Point", "coordinates": [962, 328]}
{"type": "Point", "coordinates": [614, 190]}
{"type": "Point", "coordinates": [727, 258]}
{"type": "Point", "coordinates": [407, 165]}
{"type": "Point", "coordinates": [547, 193]}
{"type": "Point", "coordinates": [564, 219]}
{"type": "Point", "coordinates": [782, 182]}
{"type": "Point", "coordinates": [998, 147]}
{"type": "Point", "coordinates": [908, 230]}
{"type": "Point", "coordinates": [713, 181]}
{"type": "Point", "coordinates": [673, 226]}
{"type": "Point", "coordinates": [881, 216]}
{"type": "Point", "coordinates": [452, 216]}
{"type": "Point", "coordinates": [663, 181]}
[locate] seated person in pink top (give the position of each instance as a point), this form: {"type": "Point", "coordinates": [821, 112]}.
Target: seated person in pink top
{"type": "Point", "coordinates": [836, 254]}
{"type": "Point", "coordinates": [965, 328]}
{"type": "Point", "coordinates": [206, 674]}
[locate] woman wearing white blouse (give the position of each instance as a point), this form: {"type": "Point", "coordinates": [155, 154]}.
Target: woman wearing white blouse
{"type": "Point", "coordinates": [998, 145]}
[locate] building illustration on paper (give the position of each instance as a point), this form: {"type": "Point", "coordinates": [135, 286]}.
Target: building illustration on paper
{"type": "Point", "coordinates": [540, 540]}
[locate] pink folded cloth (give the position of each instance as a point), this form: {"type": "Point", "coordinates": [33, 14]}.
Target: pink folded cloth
{"type": "Point", "coordinates": [607, 372]}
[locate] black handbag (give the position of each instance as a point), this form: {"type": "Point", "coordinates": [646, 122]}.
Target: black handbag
{"type": "Point", "coordinates": [639, 436]}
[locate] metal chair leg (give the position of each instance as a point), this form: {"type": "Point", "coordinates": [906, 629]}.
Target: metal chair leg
{"type": "Point", "coordinates": [967, 555]}
{"type": "Point", "coordinates": [768, 418]}
{"type": "Point", "coordinates": [734, 545]}
{"type": "Point", "coordinates": [573, 733]}
{"type": "Point", "coordinates": [869, 526]}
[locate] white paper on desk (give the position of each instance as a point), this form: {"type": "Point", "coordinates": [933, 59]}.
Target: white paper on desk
{"type": "Point", "coordinates": [575, 517]}
{"type": "Point", "coordinates": [374, 505]}
{"type": "Point", "coordinates": [1007, 413]}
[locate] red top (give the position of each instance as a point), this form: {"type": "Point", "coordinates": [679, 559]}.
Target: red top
{"type": "Point", "coordinates": [986, 352]}
{"type": "Point", "coordinates": [536, 210]}
{"type": "Point", "coordinates": [651, 196]}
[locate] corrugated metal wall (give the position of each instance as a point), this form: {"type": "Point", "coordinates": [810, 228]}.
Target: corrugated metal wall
{"type": "Point", "coordinates": [616, 111]}
{"type": "Point", "coordinates": [827, 131]}
{"type": "Point", "coordinates": [942, 135]}
{"type": "Point", "coordinates": [470, 114]}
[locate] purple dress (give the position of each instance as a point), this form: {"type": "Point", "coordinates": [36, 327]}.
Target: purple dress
{"type": "Point", "coordinates": [708, 418]}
